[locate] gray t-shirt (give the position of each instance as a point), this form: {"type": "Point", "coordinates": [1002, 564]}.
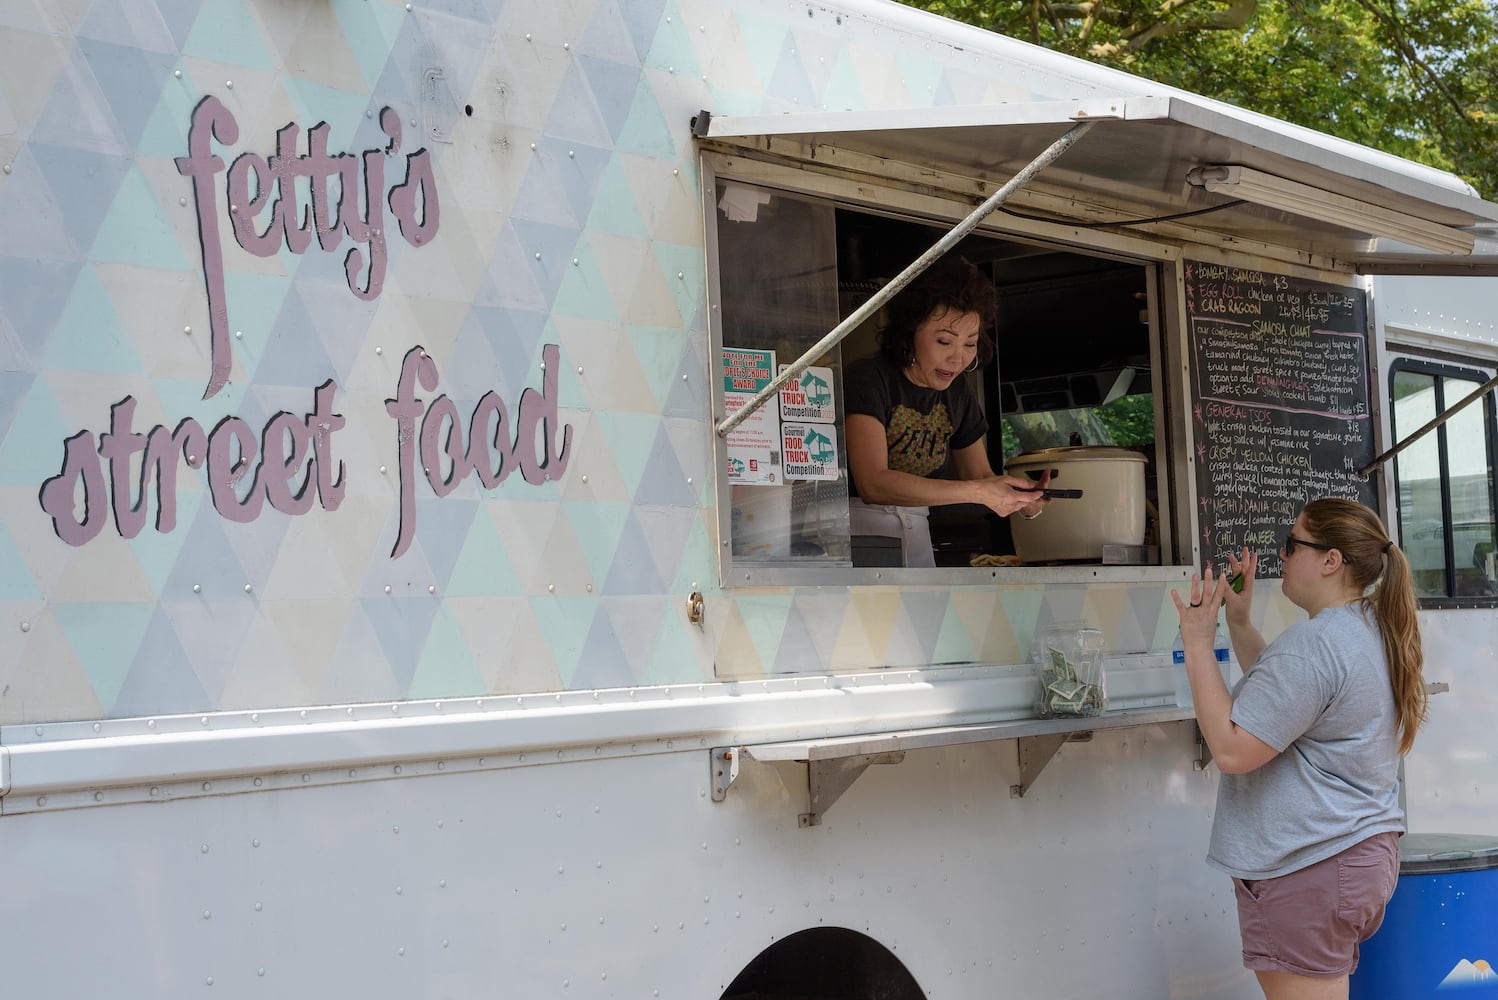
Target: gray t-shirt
{"type": "Point", "coordinates": [1320, 695]}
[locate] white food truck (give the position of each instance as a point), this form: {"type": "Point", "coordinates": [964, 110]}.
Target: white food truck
{"type": "Point", "coordinates": [425, 564]}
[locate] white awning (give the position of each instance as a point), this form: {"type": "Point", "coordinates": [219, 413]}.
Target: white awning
{"type": "Point", "coordinates": [1147, 158]}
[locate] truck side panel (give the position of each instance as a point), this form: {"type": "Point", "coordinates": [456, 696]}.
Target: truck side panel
{"type": "Point", "coordinates": [358, 353]}
{"type": "Point", "coordinates": [622, 878]}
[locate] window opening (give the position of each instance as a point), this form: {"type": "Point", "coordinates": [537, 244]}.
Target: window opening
{"type": "Point", "coordinates": [1073, 368]}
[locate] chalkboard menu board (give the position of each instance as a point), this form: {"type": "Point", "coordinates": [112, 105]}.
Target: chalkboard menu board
{"type": "Point", "coordinates": [1279, 394]}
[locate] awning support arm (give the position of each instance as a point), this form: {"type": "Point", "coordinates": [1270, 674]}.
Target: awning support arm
{"type": "Point", "coordinates": [1439, 419]}
{"type": "Point", "coordinates": [906, 276]}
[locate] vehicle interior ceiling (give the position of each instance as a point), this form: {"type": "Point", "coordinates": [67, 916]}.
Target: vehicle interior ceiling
{"type": "Point", "coordinates": [1072, 334]}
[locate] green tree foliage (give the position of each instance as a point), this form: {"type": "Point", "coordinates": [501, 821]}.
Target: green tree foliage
{"type": "Point", "coordinates": [1127, 422]}
{"type": "Point", "coordinates": [1417, 78]}
{"type": "Point", "coordinates": [1131, 419]}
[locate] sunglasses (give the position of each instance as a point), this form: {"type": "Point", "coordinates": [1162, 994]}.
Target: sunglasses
{"type": "Point", "coordinates": [1288, 549]}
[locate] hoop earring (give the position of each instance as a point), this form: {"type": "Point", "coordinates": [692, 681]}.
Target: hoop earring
{"type": "Point", "coordinates": [973, 367]}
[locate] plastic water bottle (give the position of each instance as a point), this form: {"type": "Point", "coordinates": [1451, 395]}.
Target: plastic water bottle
{"type": "Point", "coordinates": [1222, 652]}
{"type": "Point", "coordinates": [1178, 669]}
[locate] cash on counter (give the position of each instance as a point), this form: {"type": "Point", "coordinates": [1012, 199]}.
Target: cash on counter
{"type": "Point", "coordinates": [1069, 661]}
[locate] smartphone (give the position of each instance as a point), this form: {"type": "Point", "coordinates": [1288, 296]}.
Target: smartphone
{"type": "Point", "coordinates": [1054, 494]}
{"type": "Point", "coordinates": [1236, 582]}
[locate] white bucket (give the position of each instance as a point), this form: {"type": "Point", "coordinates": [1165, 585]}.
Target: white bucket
{"type": "Point", "coordinates": [1110, 512]}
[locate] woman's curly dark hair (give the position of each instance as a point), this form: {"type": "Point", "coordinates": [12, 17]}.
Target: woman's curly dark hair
{"type": "Point", "coordinates": [951, 283]}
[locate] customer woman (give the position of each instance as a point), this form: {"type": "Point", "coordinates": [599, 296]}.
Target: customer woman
{"type": "Point", "coordinates": [909, 409]}
{"type": "Point", "coordinates": [1308, 817]}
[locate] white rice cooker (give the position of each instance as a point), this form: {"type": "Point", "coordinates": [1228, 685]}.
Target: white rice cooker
{"type": "Point", "coordinates": [1110, 512]}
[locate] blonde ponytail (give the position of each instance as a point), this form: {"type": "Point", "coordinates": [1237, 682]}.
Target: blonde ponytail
{"type": "Point", "coordinates": [1395, 606]}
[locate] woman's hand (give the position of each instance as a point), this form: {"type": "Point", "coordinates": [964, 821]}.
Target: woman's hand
{"type": "Point", "coordinates": [1199, 615]}
{"type": "Point", "coordinates": [1005, 495]}
{"type": "Point", "coordinates": [1246, 565]}
{"type": "Point", "coordinates": [1234, 750]}
{"type": "Point", "coordinates": [976, 482]}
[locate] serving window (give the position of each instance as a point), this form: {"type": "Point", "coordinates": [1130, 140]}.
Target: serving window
{"type": "Point", "coordinates": [1076, 367]}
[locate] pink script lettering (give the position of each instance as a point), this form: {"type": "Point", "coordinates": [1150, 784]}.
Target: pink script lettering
{"type": "Point", "coordinates": [295, 465]}
{"type": "Point", "coordinates": [496, 445]}
{"type": "Point", "coordinates": [337, 185]}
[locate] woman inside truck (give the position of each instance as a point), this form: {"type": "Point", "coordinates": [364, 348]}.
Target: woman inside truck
{"type": "Point", "coordinates": [1308, 818]}
{"type": "Point", "coordinates": [911, 414]}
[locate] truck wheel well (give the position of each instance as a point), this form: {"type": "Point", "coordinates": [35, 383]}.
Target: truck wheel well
{"type": "Point", "coordinates": [822, 963]}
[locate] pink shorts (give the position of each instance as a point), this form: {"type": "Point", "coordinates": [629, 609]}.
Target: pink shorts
{"type": "Point", "coordinates": [1310, 922]}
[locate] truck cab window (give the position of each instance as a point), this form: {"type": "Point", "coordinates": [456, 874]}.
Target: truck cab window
{"type": "Point", "coordinates": [1445, 482]}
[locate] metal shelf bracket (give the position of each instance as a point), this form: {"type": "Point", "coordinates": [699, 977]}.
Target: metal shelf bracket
{"type": "Point", "coordinates": [724, 763]}
{"type": "Point", "coordinates": [1035, 752]}
{"type": "Point", "coordinates": [827, 780]}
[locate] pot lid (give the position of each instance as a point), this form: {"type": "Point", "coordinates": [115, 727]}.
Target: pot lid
{"type": "Point", "coordinates": [1084, 453]}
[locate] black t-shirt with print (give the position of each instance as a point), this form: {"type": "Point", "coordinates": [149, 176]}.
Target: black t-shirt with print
{"type": "Point", "coordinates": [921, 426]}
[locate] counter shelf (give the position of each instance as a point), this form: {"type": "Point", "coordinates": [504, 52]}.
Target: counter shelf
{"type": "Point", "coordinates": [834, 763]}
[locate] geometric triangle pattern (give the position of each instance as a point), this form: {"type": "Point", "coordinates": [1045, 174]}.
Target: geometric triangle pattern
{"type": "Point", "coordinates": [359, 352]}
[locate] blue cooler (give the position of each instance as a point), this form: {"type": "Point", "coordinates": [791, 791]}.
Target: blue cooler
{"type": "Point", "coordinates": [1439, 937]}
